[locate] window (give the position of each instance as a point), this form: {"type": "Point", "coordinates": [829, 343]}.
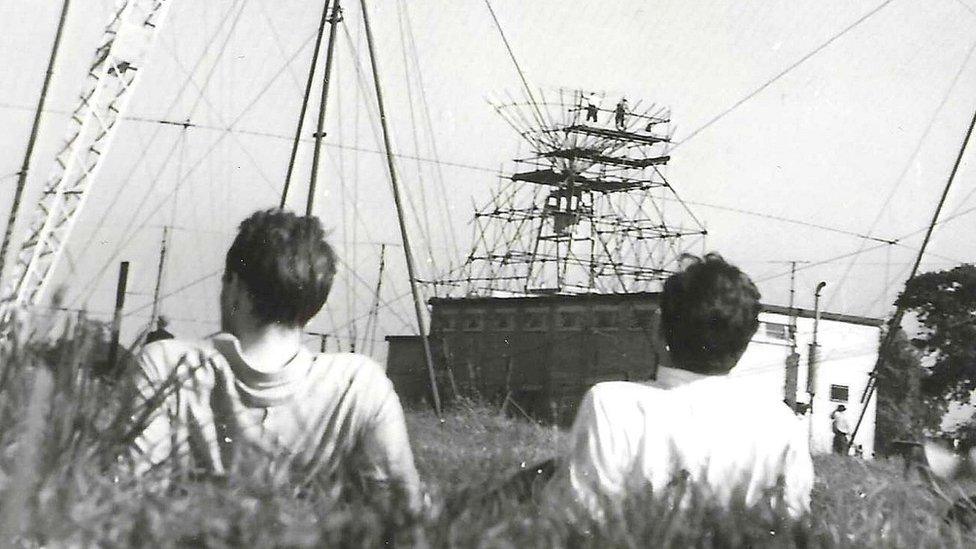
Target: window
{"type": "Point", "coordinates": [606, 319]}
{"type": "Point", "coordinates": [473, 321]}
{"type": "Point", "coordinates": [641, 319]}
{"type": "Point", "coordinates": [447, 322]}
{"type": "Point", "coordinates": [535, 321]}
{"type": "Point", "coordinates": [778, 331]}
{"type": "Point", "coordinates": [569, 320]}
{"type": "Point", "coordinates": [502, 321]}
{"type": "Point", "coordinates": [838, 393]}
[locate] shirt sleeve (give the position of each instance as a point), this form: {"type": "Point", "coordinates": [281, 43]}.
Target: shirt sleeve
{"type": "Point", "coordinates": [386, 461]}
{"type": "Point", "coordinates": [599, 455]}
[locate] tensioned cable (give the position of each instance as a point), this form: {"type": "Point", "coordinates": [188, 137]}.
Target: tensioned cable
{"type": "Point", "coordinates": [169, 109]}
{"type": "Point", "coordinates": [783, 73]}
{"type": "Point", "coordinates": [204, 156]}
{"type": "Point", "coordinates": [911, 160]}
{"type": "Point", "coordinates": [430, 131]}
{"type": "Point", "coordinates": [895, 323]}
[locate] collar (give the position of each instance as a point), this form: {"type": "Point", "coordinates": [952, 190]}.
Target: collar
{"type": "Point", "coordinates": [669, 378]}
{"type": "Point", "coordinates": [260, 385]}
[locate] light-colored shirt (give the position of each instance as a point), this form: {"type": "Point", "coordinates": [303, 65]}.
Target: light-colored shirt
{"type": "Point", "coordinates": [840, 422]}
{"type": "Point", "coordinates": [713, 429]}
{"type": "Point", "coordinates": [325, 416]}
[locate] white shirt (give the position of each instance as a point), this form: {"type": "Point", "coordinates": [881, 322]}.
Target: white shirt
{"type": "Point", "coordinates": [327, 414]}
{"type": "Point", "coordinates": [711, 428]}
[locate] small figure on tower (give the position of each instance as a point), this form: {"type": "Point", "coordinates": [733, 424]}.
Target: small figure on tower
{"type": "Point", "coordinates": [620, 114]}
{"type": "Point", "coordinates": [592, 107]}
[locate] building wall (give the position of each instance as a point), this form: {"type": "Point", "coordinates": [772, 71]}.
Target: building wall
{"type": "Point", "coordinates": [847, 355]}
{"type": "Point", "coordinates": [546, 352]}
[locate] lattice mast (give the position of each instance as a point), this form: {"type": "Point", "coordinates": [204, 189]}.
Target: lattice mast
{"type": "Point", "coordinates": [123, 51]}
{"type": "Point", "coordinates": [590, 211]}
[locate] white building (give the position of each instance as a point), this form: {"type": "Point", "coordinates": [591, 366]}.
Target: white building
{"type": "Point", "coordinates": [848, 352]}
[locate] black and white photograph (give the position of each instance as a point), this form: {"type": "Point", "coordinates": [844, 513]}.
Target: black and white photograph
{"type": "Point", "coordinates": [487, 273]}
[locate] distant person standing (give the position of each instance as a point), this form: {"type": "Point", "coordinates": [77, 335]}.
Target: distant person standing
{"type": "Point", "coordinates": [620, 114]}
{"type": "Point", "coordinates": [160, 333]}
{"type": "Point", "coordinates": [841, 429]}
{"type": "Point", "coordinates": [592, 107]}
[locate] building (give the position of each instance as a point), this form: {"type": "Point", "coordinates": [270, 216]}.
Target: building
{"type": "Point", "coordinates": [544, 352]}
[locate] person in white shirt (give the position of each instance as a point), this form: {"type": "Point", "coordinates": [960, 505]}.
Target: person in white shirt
{"type": "Point", "coordinates": [592, 107]}
{"type": "Point", "coordinates": [841, 429]}
{"type": "Point", "coordinates": [695, 420]}
{"type": "Point", "coordinates": [329, 419]}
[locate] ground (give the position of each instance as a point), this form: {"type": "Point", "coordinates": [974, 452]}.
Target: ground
{"type": "Point", "coordinates": [63, 496]}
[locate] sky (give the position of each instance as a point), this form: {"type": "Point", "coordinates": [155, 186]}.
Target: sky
{"type": "Point", "coordinates": [798, 126]}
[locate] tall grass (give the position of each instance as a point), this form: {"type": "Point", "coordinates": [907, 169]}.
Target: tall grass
{"type": "Point", "coordinates": [61, 425]}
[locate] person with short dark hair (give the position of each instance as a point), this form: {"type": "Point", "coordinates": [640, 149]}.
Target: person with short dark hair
{"type": "Point", "coordinates": [160, 333]}
{"type": "Point", "coordinates": [254, 386]}
{"type": "Point", "coordinates": [695, 417]}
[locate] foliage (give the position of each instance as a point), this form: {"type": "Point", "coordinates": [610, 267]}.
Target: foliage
{"type": "Point", "coordinates": [945, 304]}
{"type": "Point", "coordinates": [68, 496]}
{"type": "Point", "coordinates": [903, 413]}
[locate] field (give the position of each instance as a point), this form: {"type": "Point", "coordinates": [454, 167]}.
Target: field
{"type": "Point", "coordinates": [55, 490]}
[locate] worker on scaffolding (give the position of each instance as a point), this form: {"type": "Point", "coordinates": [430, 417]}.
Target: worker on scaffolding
{"type": "Point", "coordinates": [620, 114]}
{"type": "Point", "coordinates": [592, 107]}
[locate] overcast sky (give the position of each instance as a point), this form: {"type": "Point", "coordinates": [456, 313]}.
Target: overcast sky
{"type": "Point", "coordinates": [835, 113]}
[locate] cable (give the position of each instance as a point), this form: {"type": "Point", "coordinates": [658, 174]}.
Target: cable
{"type": "Point", "coordinates": [783, 73]}
{"type": "Point", "coordinates": [911, 160]}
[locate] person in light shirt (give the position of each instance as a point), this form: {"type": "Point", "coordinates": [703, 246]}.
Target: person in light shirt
{"type": "Point", "coordinates": [323, 418]}
{"type": "Point", "coordinates": [695, 421]}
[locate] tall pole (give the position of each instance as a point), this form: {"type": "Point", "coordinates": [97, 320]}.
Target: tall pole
{"type": "Point", "coordinates": [113, 350]}
{"type": "Point", "coordinates": [895, 324]}
{"type": "Point", "coordinates": [320, 126]}
{"type": "Point", "coordinates": [372, 319]}
{"type": "Point", "coordinates": [159, 276]}
{"type": "Point", "coordinates": [793, 360]}
{"type": "Point", "coordinates": [417, 303]}
{"type": "Point", "coordinates": [308, 93]}
{"type": "Point", "coordinates": [813, 356]}
{"type": "Point", "coordinates": [25, 166]}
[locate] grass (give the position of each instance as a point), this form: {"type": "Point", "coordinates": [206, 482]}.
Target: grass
{"type": "Point", "coordinates": [56, 489]}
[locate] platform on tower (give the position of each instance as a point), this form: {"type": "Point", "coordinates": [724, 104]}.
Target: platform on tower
{"type": "Point", "coordinates": [576, 153]}
{"type": "Point", "coordinates": [554, 178]}
{"type": "Point", "coordinates": [607, 133]}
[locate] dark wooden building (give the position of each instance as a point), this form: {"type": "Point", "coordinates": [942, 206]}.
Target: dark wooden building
{"type": "Point", "coordinates": [543, 352]}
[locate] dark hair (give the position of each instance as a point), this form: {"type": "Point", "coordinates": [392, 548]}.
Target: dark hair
{"type": "Point", "coordinates": [285, 264]}
{"type": "Point", "coordinates": [709, 312]}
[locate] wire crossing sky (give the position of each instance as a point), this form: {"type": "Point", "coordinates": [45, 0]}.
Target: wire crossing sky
{"type": "Point", "coordinates": [807, 131]}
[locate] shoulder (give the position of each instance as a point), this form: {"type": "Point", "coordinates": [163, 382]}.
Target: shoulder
{"type": "Point", "coordinates": [623, 393]}
{"type": "Point", "coordinates": [159, 359]}
{"type": "Point", "coordinates": [350, 368]}
{"type": "Point", "coordinates": [614, 401]}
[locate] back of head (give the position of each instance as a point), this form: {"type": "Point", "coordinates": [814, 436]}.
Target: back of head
{"type": "Point", "coordinates": [285, 264]}
{"type": "Point", "coordinates": [709, 313]}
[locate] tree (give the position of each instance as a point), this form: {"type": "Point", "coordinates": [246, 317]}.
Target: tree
{"type": "Point", "coordinates": [903, 413]}
{"type": "Point", "coordinates": [945, 305]}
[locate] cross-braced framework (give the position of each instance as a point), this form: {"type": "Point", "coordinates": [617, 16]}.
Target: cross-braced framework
{"type": "Point", "coordinates": [590, 211]}
{"type": "Point", "coordinates": [123, 50]}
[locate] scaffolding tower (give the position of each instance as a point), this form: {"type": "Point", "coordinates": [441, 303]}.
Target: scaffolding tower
{"type": "Point", "coordinates": [589, 211]}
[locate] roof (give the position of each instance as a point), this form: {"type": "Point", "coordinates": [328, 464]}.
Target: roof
{"type": "Point", "coordinates": [652, 296]}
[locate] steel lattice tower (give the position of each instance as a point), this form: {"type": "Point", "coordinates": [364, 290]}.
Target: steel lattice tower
{"type": "Point", "coordinates": [124, 48]}
{"type": "Point", "coordinates": [590, 211]}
